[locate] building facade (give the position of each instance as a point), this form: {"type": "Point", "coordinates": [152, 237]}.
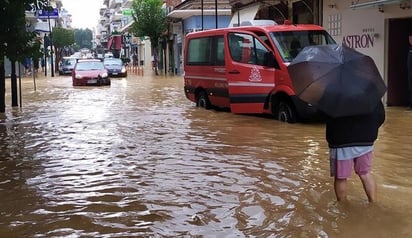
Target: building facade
{"type": "Point", "coordinates": [188, 16]}
{"type": "Point", "coordinates": [113, 32]}
{"type": "Point", "coordinates": [378, 29]}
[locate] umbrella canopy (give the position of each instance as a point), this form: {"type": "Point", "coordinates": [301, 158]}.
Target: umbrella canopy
{"type": "Point", "coordinates": [337, 79]}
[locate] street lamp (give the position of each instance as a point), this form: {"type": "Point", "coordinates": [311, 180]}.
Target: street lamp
{"type": "Point", "coordinates": [50, 38]}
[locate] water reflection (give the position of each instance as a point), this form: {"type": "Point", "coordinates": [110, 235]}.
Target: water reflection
{"type": "Point", "coordinates": [137, 159]}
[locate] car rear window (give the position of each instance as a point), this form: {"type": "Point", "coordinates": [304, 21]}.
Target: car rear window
{"type": "Point", "coordinates": [89, 65]}
{"type": "Point", "coordinates": [113, 62]}
{"type": "Point", "coordinates": [69, 61]}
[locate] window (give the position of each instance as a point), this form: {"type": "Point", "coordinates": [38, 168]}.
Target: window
{"type": "Point", "coordinates": [246, 49]}
{"type": "Point", "coordinates": [335, 24]}
{"type": "Point", "coordinates": [290, 43]}
{"type": "Point", "coordinates": [206, 51]}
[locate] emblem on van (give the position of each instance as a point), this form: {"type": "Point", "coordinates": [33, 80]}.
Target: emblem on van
{"type": "Point", "coordinates": [255, 75]}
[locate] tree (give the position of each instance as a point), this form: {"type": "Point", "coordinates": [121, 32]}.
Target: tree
{"type": "Point", "coordinates": [61, 38]}
{"type": "Point", "coordinates": [83, 38]}
{"type": "Point", "coordinates": [149, 20]}
{"type": "Point", "coordinates": [16, 42]}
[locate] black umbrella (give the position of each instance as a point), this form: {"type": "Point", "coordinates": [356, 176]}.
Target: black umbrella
{"type": "Point", "coordinates": [337, 79]}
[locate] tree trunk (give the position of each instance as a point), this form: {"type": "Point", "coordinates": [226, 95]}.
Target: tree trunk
{"type": "Point", "coordinates": [13, 80]}
{"type": "Point", "coordinates": [58, 57]}
{"type": "Point", "coordinates": [2, 87]}
{"type": "Point", "coordinates": [156, 60]}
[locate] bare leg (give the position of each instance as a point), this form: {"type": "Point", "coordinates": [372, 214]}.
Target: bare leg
{"type": "Point", "coordinates": [340, 189]}
{"type": "Point", "coordinates": [369, 186]}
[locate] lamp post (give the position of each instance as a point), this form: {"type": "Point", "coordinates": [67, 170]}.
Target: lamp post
{"type": "Point", "coordinates": [216, 13]}
{"type": "Point", "coordinates": [51, 39]}
{"type": "Point", "coordinates": [46, 45]}
{"type": "Point", "coordinates": [201, 7]}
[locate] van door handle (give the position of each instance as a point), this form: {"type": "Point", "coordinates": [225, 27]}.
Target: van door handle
{"type": "Point", "coordinates": [234, 72]}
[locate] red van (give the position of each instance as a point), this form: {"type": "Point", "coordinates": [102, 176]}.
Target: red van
{"type": "Point", "coordinates": [244, 68]}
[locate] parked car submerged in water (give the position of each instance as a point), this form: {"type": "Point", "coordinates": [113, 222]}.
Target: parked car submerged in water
{"type": "Point", "coordinates": [115, 67]}
{"type": "Point", "coordinates": [90, 72]}
{"type": "Point", "coordinates": [66, 66]}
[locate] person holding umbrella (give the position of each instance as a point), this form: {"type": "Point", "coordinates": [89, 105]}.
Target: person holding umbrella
{"type": "Point", "coordinates": [347, 89]}
{"type": "Point", "coordinates": [350, 141]}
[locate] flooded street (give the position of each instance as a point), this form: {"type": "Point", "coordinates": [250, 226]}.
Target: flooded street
{"type": "Point", "coordinates": [137, 159]}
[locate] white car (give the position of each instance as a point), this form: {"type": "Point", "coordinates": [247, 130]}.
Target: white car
{"type": "Point", "coordinates": [108, 55]}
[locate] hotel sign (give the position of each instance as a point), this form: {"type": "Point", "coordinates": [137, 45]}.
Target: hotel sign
{"type": "Point", "coordinates": [360, 41]}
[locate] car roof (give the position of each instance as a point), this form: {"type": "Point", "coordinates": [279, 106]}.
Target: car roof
{"type": "Point", "coordinates": [88, 60]}
{"type": "Point", "coordinates": [112, 59]}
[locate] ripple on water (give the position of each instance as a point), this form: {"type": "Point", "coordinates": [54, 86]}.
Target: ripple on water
{"type": "Point", "coordinates": [137, 159]}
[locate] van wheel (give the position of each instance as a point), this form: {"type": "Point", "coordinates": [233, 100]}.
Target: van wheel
{"type": "Point", "coordinates": [286, 113]}
{"type": "Point", "coordinates": [203, 100]}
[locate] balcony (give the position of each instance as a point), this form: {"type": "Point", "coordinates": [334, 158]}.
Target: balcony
{"type": "Point", "coordinates": [115, 4]}
{"type": "Point", "coordinates": [59, 3]}
{"type": "Point", "coordinates": [102, 20]}
{"type": "Point", "coordinates": [116, 17]}
{"type": "Point", "coordinates": [127, 4]}
{"type": "Point", "coordinates": [102, 10]}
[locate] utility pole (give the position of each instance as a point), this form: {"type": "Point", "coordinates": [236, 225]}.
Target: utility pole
{"type": "Point", "coordinates": [201, 7]}
{"type": "Point", "coordinates": [46, 45]}
{"type": "Point", "coordinates": [216, 13]}
{"type": "Point", "coordinates": [51, 38]}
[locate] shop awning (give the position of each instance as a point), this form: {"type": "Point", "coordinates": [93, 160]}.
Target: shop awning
{"type": "Point", "coordinates": [126, 27]}
{"type": "Point", "coordinates": [114, 43]}
{"type": "Point", "coordinates": [117, 42]}
{"type": "Point", "coordinates": [375, 3]}
{"type": "Point", "coordinates": [186, 13]}
{"type": "Point", "coordinates": [109, 43]}
{"type": "Point", "coordinates": [246, 14]}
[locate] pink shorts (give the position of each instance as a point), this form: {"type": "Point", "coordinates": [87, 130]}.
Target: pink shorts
{"type": "Point", "coordinates": [342, 169]}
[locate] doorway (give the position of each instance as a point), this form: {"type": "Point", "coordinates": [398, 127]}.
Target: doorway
{"type": "Point", "coordinates": [398, 46]}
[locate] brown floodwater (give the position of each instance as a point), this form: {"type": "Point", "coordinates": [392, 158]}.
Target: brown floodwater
{"type": "Point", "coordinates": [137, 159]}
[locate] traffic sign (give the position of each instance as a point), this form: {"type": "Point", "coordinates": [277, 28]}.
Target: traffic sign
{"type": "Point", "coordinates": [45, 14]}
{"type": "Point", "coordinates": [127, 12]}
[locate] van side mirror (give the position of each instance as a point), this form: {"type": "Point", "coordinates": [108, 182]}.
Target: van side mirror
{"type": "Point", "coordinates": [270, 60]}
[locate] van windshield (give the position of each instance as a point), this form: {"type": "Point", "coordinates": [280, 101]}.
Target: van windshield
{"type": "Point", "coordinates": [290, 43]}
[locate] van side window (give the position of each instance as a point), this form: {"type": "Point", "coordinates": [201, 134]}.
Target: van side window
{"type": "Point", "coordinates": [220, 51]}
{"type": "Point", "coordinates": [207, 51]}
{"type": "Point", "coordinates": [237, 48]}
{"type": "Point", "coordinates": [246, 49]}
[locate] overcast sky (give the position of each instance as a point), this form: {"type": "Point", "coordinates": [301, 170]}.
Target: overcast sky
{"type": "Point", "coordinates": [85, 13]}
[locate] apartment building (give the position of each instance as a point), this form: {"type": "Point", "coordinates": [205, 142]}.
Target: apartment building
{"type": "Point", "coordinates": [113, 33]}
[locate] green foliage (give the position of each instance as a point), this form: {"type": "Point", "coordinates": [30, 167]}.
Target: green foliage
{"type": "Point", "coordinates": [125, 60]}
{"type": "Point", "coordinates": [83, 38]}
{"type": "Point", "coordinates": [16, 42]}
{"type": "Point", "coordinates": [62, 37]}
{"type": "Point", "coordinates": [149, 19]}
